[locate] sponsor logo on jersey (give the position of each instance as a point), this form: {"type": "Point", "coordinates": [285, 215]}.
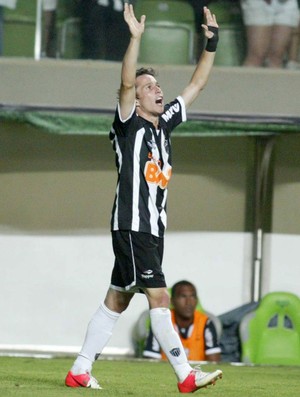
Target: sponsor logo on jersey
{"type": "Point", "coordinates": [170, 112]}
{"type": "Point", "coordinates": [154, 174]}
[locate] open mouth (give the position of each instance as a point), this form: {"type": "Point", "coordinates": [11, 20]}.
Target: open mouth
{"type": "Point", "coordinates": [159, 101]}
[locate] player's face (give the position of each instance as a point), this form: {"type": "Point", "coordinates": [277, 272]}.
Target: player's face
{"type": "Point", "coordinates": [150, 98]}
{"type": "Point", "coordinates": [185, 301]}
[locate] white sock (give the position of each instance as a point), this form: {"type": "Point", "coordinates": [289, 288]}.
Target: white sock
{"type": "Point", "coordinates": [97, 336]}
{"type": "Point", "coordinates": [169, 341]}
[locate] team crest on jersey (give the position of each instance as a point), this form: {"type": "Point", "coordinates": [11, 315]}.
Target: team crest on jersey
{"type": "Point", "coordinates": [152, 144]}
{"type": "Point", "coordinates": [167, 146]}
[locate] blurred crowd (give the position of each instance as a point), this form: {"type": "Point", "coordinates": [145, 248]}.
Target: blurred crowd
{"type": "Point", "coordinates": [271, 28]}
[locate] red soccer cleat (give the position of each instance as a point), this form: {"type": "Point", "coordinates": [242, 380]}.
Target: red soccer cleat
{"type": "Point", "coordinates": [198, 379]}
{"type": "Point", "coordinates": [82, 380]}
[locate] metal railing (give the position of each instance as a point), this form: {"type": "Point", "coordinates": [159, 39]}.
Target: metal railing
{"type": "Point", "coordinates": [38, 31]}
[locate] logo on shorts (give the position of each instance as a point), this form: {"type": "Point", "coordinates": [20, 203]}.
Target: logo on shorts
{"type": "Point", "coordinates": [147, 274]}
{"type": "Point", "coordinates": [175, 352]}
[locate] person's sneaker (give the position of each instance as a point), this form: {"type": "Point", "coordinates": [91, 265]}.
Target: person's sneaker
{"type": "Point", "coordinates": [82, 380]}
{"type": "Point", "coordinates": [198, 379]}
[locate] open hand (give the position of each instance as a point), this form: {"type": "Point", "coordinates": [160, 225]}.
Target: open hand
{"type": "Point", "coordinates": [136, 28]}
{"type": "Point", "coordinates": [210, 20]}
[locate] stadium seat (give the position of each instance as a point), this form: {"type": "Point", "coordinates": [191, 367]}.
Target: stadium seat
{"type": "Point", "coordinates": [170, 32]}
{"type": "Point", "coordinates": [19, 29]}
{"type": "Point", "coordinates": [167, 43]}
{"type": "Point", "coordinates": [231, 48]}
{"type": "Point", "coordinates": [142, 325]}
{"type": "Point", "coordinates": [165, 10]}
{"type": "Point", "coordinates": [70, 39]}
{"type": "Point", "coordinates": [271, 333]}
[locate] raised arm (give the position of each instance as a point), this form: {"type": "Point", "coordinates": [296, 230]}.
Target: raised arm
{"type": "Point", "coordinates": [205, 63]}
{"type": "Point", "coordinates": [127, 89]}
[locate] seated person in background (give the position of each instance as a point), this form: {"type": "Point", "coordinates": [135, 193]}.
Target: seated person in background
{"type": "Point", "coordinates": [293, 55]}
{"type": "Point", "coordinates": [49, 28]}
{"type": "Point", "coordinates": [199, 18]}
{"type": "Point", "coordinates": [196, 331]}
{"type": "Point", "coordinates": [105, 34]}
{"type": "Point", "coordinates": [198, 10]}
{"type": "Point", "coordinates": [269, 26]}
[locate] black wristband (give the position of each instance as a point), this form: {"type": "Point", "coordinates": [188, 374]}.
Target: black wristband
{"type": "Point", "coordinates": [212, 43]}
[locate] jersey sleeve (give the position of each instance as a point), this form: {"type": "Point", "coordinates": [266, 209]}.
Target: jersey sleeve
{"type": "Point", "coordinates": [119, 126]}
{"type": "Point", "coordinates": [152, 347]}
{"type": "Point", "coordinates": [174, 113]}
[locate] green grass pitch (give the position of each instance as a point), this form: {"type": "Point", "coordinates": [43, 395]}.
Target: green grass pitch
{"type": "Point", "coordinates": [35, 377]}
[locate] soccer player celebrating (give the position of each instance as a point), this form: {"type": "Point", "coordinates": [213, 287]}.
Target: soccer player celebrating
{"type": "Point", "coordinates": [140, 136]}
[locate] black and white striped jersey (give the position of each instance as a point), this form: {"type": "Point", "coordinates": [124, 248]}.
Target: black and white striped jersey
{"type": "Point", "coordinates": [144, 165]}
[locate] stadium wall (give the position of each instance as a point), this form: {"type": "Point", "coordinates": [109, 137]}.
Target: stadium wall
{"type": "Point", "coordinates": [94, 84]}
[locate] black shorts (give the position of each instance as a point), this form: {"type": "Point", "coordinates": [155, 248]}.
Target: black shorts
{"type": "Point", "coordinates": [138, 261]}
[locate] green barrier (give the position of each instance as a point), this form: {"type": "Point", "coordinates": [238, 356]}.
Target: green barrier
{"type": "Point", "coordinates": [100, 124]}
